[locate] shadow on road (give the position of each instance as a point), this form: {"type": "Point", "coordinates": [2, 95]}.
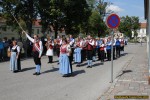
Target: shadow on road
{"type": "Point", "coordinates": [84, 64]}
{"type": "Point", "coordinates": [75, 73]}
{"type": "Point", "coordinates": [124, 72]}
{"type": "Point", "coordinates": [26, 69]}
{"type": "Point", "coordinates": [124, 54]}
{"type": "Point", "coordinates": [51, 70]}
{"type": "Point", "coordinates": [98, 64]}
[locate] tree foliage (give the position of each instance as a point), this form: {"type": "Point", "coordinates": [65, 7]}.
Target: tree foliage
{"type": "Point", "coordinates": [129, 24]}
{"type": "Point", "coordinates": [73, 15]}
{"type": "Point", "coordinates": [23, 10]}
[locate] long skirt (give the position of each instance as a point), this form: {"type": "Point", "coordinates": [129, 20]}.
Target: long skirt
{"type": "Point", "coordinates": [64, 64]}
{"type": "Point", "coordinates": [13, 62]}
{"type": "Point", "coordinates": [77, 55]}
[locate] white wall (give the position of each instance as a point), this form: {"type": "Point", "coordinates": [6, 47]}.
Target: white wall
{"type": "Point", "coordinates": [141, 32]}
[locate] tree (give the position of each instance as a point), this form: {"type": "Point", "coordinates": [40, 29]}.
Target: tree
{"type": "Point", "coordinates": [129, 24]}
{"type": "Point", "coordinates": [23, 10]}
{"type": "Point", "coordinates": [63, 13]}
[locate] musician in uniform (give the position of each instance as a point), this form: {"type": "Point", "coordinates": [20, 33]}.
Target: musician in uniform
{"type": "Point", "coordinates": [94, 49]}
{"type": "Point", "coordinates": [117, 48]}
{"type": "Point", "coordinates": [108, 48]}
{"type": "Point", "coordinates": [37, 52]}
{"type": "Point", "coordinates": [84, 50]}
{"type": "Point", "coordinates": [90, 44]}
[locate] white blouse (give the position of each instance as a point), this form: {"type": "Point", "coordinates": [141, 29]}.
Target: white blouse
{"type": "Point", "coordinates": [18, 48]}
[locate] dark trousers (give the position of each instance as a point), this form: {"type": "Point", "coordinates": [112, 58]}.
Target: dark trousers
{"type": "Point", "coordinates": [89, 55]}
{"type": "Point", "coordinates": [50, 59]}
{"type": "Point", "coordinates": [71, 55]}
{"type": "Point", "coordinates": [98, 52]}
{"type": "Point", "coordinates": [109, 54]}
{"type": "Point", "coordinates": [117, 51]}
{"type": "Point", "coordinates": [83, 54]}
{"type": "Point", "coordinates": [1, 54]}
{"type": "Point", "coordinates": [58, 51]}
{"type": "Point", "coordinates": [36, 58]}
{"type": "Point", "coordinates": [70, 61]}
{"type": "Point", "coordinates": [94, 52]}
{"type": "Point", "coordinates": [102, 55]}
{"type": "Point", "coordinates": [122, 48]}
{"type": "Point", "coordinates": [18, 63]}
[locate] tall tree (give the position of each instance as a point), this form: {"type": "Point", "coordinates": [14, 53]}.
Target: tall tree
{"type": "Point", "coordinates": [129, 24]}
{"type": "Point", "coordinates": [22, 9]}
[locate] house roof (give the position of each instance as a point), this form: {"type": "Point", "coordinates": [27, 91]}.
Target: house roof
{"type": "Point", "coordinates": [143, 25]}
{"type": "Point", "coordinates": [37, 23]}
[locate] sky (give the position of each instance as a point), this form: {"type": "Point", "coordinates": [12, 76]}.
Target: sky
{"type": "Point", "coordinates": [128, 7]}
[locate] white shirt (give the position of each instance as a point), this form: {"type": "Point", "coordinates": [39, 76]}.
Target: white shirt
{"type": "Point", "coordinates": [72, 41]}
{"type": "Point", "coordinates": [18, 48]}
{"type": "Point", "coordinates": [91, 43]}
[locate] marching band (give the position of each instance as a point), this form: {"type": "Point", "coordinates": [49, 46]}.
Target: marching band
{"type": "Point", "coordinates": [78, 50]}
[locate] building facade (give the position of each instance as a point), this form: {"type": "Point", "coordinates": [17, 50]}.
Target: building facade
{"type": "Point", "coordinates": [142, 31]}
{"type": "Point", "coordinates": [36, 29]}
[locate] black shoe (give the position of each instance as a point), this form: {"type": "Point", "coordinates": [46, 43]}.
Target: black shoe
{"type": "Point", "coordinates": [48, 62]}
{"type": "Point", "coordinates": [15, 71]}
{"type": "Point", "coordinates": [88, 67]}
{"type": "Point", "coordinates": [57, 63]}
{"type": "Point", "coordinates": [35, 73]}
{"type": "Point", "coordinates": [66, 75]}
{"type": "Point", "coordinates": [38, 73]}
{"type": "Point", "coordinates": [77, 65]}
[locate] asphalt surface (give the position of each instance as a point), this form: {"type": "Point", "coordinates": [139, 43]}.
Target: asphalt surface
{"type": "Point", "coordinates": [86, 84]}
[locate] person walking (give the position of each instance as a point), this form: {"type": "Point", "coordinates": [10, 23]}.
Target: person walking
{"type": "Point", "coordinates": [37, 51]}
{"type": "Point", "coordinates": [90, 44]}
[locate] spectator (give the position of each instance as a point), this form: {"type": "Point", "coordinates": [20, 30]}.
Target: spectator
{"type": "Point", "coordinates": [1, 50]}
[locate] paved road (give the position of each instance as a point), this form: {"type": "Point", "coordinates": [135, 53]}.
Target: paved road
{"type": "Point", "coordinates": [133, 79]}
{"type": "Point", "coordinates": [87, 84]}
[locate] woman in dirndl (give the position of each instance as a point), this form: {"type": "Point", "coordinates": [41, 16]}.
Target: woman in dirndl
{"type": "Point", "coordinates": [64, 64]}
{"type": "Point", "coordinates": [50, 46]}
{"type": "Point", "coordinates": [15, 64]}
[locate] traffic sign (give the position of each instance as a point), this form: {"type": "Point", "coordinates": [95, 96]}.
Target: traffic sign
{"type": "Point", "coordinates": [113, 21]}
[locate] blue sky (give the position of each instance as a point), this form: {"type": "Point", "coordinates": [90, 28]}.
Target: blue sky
{"type": "Point", "coordinates": [129, 7]}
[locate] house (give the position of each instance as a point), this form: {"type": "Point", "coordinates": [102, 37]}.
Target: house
{"type": "Point", "coordinates": [142, 31]}
{"type": "Point", "coordinates": [36, 29]}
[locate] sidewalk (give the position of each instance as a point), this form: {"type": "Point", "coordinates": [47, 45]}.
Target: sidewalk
{"type": "Point", "coordinates": [133, 79]}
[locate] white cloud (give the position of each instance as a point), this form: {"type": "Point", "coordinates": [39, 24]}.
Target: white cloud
{"type": "Point", "coordinates": [114, 8]}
